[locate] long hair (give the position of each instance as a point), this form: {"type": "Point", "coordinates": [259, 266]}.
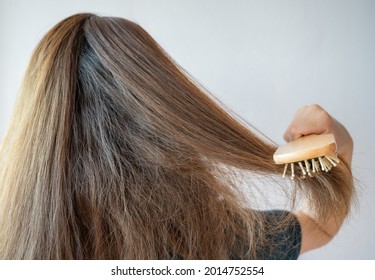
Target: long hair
{"type": "Point", "coordinates": [114, 152]}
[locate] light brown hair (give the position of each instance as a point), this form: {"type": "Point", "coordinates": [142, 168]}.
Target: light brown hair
{"type": "Point", "coordinates": [114, 152]}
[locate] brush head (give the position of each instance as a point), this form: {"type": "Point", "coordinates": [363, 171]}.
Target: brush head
{"type": "Point", "coordinates": [311, 153]}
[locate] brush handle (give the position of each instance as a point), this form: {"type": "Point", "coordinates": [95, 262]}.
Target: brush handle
{"type": "Point", "coordinates": [304, 148]}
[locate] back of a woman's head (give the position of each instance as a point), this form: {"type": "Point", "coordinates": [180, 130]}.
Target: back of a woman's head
{"type": "Point", "coordinates": [114, 152]}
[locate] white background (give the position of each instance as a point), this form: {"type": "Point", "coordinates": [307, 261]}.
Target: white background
{"type": "Point", "coordinates": [263, 59]}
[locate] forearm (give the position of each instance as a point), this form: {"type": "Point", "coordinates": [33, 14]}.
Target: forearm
{"type": "Point", "coordinates": [314, 234]}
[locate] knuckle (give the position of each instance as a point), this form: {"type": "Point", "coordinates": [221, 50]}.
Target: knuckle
{"type": "Point", "coordinates": [326, 119]}
{"type": "Point", "coordinates": [303, 108]}
{"type": "Point", "coordinates": [316, 107]}
{"type": "Point", "coordinates": [293, 130]}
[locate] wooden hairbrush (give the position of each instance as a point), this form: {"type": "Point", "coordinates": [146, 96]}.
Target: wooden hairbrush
{"type": "Point", "coordinates": [311, 153]}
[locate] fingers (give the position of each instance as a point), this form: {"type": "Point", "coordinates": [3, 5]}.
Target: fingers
{"type": "Point", "coordinates": [314, 119]}
{"type": "Point", "coordinates": [311, 119]}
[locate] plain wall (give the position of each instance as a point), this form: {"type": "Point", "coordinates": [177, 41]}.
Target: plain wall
{"type": "Point", "coordinates": [263, 59]}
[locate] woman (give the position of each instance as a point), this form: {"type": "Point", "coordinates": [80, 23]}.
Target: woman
{"type": "Point", "coordinates": [114, 152]}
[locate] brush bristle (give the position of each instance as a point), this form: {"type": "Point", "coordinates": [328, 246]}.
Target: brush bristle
{"type": "Point", "coordinates": [311, 166]}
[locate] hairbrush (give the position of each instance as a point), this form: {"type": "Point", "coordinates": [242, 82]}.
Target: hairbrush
{"type": "Point", "coordinates": [310, 154]}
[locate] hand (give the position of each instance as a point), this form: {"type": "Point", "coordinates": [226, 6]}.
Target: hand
{"type": "Point", "coordinates": [315, 120]}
